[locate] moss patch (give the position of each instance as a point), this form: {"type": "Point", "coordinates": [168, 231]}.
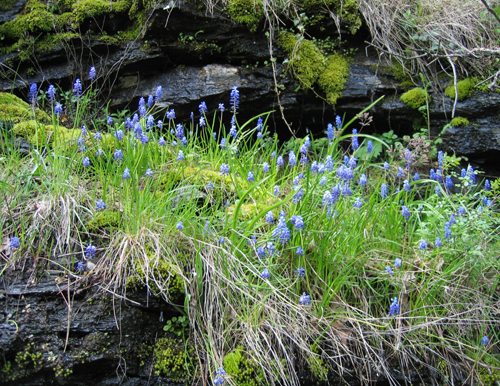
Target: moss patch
{"type": "Point", "coordinates": [173, 359]}
{"type": "Point", "coordinates": [108, 219]}
{"type": "Point", "coordinates": [333, 78]}
{"type": "Point", "coordinates": [465, 89]}
{"type": "Point", "coordinates": [347, 10]}
{"type": "Point", "coordinates": [459, 121]}
{"type": "Point", "coordinates": [415, 98]}
{"type": "Point", "coordinates": [14, 109]}
{"type": "Point", "coordinates": [40, 134]}
{"type": "Point", "coordinates": [84, 9]}
{"type": "Point", "coordinates": [244, 371]}
{"type": "Point", "coordinates": [248, 12]}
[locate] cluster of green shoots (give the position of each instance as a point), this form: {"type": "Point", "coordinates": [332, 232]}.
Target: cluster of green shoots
{"type": "Point", "coordinates": [328, 260]}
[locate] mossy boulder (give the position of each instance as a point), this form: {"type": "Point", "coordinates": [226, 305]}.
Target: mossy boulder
{"type": "Point", "coordinates": [243, 371]}
{"type": "Point", "coordinates": [333, 78]}
{"type": "Point", "coordinates": [40, 134]}
{"type": "Point", "coordinates": [415, 98]}
{"type": "Point", "coordinates": [14, 109]}
{"type": "Point", "coordinates": [459, 121]}
{"type": "Point", "coordinates": [84, 9]}
{"type": "Point", "coordinates": [465, 89]}
{"type": "Point", "coordinates": [248, 12]}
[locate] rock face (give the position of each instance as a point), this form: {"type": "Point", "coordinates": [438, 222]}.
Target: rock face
{"type": "Point", "coordinates": [196, 56]}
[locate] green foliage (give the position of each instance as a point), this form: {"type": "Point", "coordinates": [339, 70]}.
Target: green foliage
{"type": "Point", "coordinates": [27, 362]}
{"type": "Point", "coordinates": [347, 11]}
{"type": "Point", "coordinates": [83, 9]}
{"type": "Point", "coordinates": [6, 5]}
{"type": "Point", "coordinates": [107, 219]}
{"type": "Point", "coordinates": [244, 371]}
{"type": "Point", "coordinates": [415, 98]}
{"type": "Point", "coordinates": [178, 325]}
{"type": "Point", "coordinates": [459, 121]}
{"type": "Point", "coordinates": [333, 78]}
{"type": "Point", "coordinates": [248, 12]}
{"type": "Point", "coordinates": [173, 359]}
{"type": "Point", "coordinates": [465, 89]}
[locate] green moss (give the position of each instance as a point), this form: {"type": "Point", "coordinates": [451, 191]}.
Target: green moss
{"type": "Point", "coordinates": [248, 12]}
{"type": "Point", "coordinates": [243, 371]}
{"type": "Point", "coordinates": [14, 109]}
{"type": "Point", "coordinates": [459, 121]}
{"type": "Point", "coordinates": [107, 219]}
{"type": "Point", "coordinates": [40, 134]}
{"type": "Point", "coordinates": [26, 362]}
{"type": "Point", "coordinates": [6, 5]}
{"type": "Point", "coordinates": [465, 89]}
{"type": "Point", "coordinates": [84, 9]}
{"type": "Point", "coordinates": [415, 98]}
{"type": "Point", "coordinates": [333, 78]}
{"type": "Point", "coordinates": [318, 11]}
{"type": "Point", "coordinates": [174, 359]}
{"type": "Point", "coordinates": [198, 176]}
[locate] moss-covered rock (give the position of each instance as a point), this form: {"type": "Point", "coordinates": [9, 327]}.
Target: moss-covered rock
{"type": "Point", "coordinates": [40, 134]}
{"type": "Point", "coordinates": [459, 121]}
{"type": "Point", "coordinates": [333, 78]}
{"type": "Point", "coordinates": [347, 11]}
{"type": "Point", "coordinates": [108, 219]}
{"type": "Point", "coordinates": [248, 12]}
{"type": "Point", "coordinates": [465, 89]}
{"type": "Point", "coordinates": [173, 359]}
{"type": "Point", "coordinates": [415, 98]}
{"type": "Point", "coordinates": [14, 109]}
{"type": "Point", "coordinates": [84, 9]}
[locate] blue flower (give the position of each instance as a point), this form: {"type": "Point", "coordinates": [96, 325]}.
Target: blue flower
{"type": "Point", "coordinates": [461, 211]}
{"type": "Point", "coordinates": [269, 217]}
{"type": "Point", "coordinates": [405, 212]}
{"type": "Point", "coordinates": [423, 244]}
{"type": "Point", "coordinates": [92, 73]}
{"type": "Point", "coordinates": [81, 144]}
{"type": "Point", "coordinates": [447, 230]}
{"type": "Point", "coordinates": [97, 136]}
{"type": "Point", "coordinates": [119, 135]}
{"type": "Point", "coordinates": [440, 159]}
{"type": "Point", "coordinates": [363, 180]}
{"type": "Point", "coordinates": [80, 267]}
{"type": "Point", "coordinates": [397, 262]}
{"type": "Point", "coordinates": [305, 299]}
{"type": "Point", "coordinates": [150, 101]}
{"type": "Point", "coordinates": [179, 226]}
{"type": "Point", "coordinates": [179, 131]}
{"type": "Point", "coordinates": [161, 142]}
{"type": "Point", "coordinates": [100, 205]}
{"type": "Point", "coordinates": [210, 185]}
{"type": "Point", "coordinates": [487, 185]}
{"type": "Point", "coordinates": [14, 242]}
{"type": "Point", "coordinates": [394, 309]}
{"type": "Point", "coordinates": [265, 167]}
{"type": "Point", "coordinates": [408, 155]}
{"type": "Point", "coordinates": [222, 240]}
{"type": "Point", "coordinates": [279, 161]}
{"type": "Point", "coordinates": [126, 174]}
{"type": "Point", "coordinates": [297, 222]}
{"type": "Point", "coordinates": [281, 232]}
{"type": "Point", "coordinates": [261, 252]}
{"type": "Point", "coordinates": [297, 197]}
{"type": "Point", "coordinates": [180, 156]}
{"type": "Point", "coordinates": [203, 108]}
{"type": "Point", "coordinates": [234, 99]}
{"type": "Point", "coordinates": [149, 173]}
{"type": "Point", "coordinates": [354, 140]}
{"type": "Point", "coordinates": [485, 341]}
{"type": "Point", "coordinates": [99, 152]}
{"type": "Point", "coordinates": [433, 175]}
{"type": "Point", "coordinates": [300, 251]}
{"type": "Point", "coordinates": [416, 177]}
{"type": "Point", "coordinates": [358, 203]}
{"type": "Point", "coordinates": [449, 183]}
{"type": "Point", "coordinates": [386, 165]}
{"type": "Point", "coordinates": [322, 181]}
{"type": "Point", "coordinates": [400, 172]}
{"type": "Point", "coordinates": [90, 251]}
{"type": "Point", "coordinates": [265, 274]}
{"type": "Point", "coordinates": [329, 163]}
{"type": "Point", "coordinates": [383, 190]}
{"type": "Point", "coordinates": [158, 93]}
{"type": "Point", "coordinates": [250, 177]}
{"type": "Point", "coordinates": [77, 88]}
{"type": "Point", "coordinates": [406, 185]}
{"type": "Point", "coordinates": [389, 270]}
{"type": "Point", "coordinates": [276, 190]}
{"type": "Point", "coordinates": [437, 190]}
{"type": "Point", "coordinates": [221, 107]}
{"type": "Point", "coordinates": [292, 159]}
{"type": "Point", "coordinates": [369, 147]}
{"type": "Point", "coordinates": [86, 162]}
{"type": "Point", "coordinates": [222, 143]}
{"type": "Point", "coordinates": [224, 170]}
{"type": "Point", "coordinates": [301, 272]}
{"type": "Point", "coordinates": [51, 92]}
{"type": "Point", "coordinates": [438, 242]}
{"type": "Point", "coordinates": [338, 122]}
{"type": "Point", "coordinates": [84, 131]}
{"type": "Point", "coordinates": [144, 139]}
{"type": "Point", "coordinates": [150, 122]}
{"type": "Point", "coordinates": [58, 109]}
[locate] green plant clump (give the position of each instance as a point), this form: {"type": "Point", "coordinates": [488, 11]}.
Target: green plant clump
{"type": "Point", "coordinates": [459, 121]}
{"type": "Point", "coordinates": [248, 12]}
{"type": "Point", "coordinates": [108, 219]}
{"type": "Point", "coordinates": [333, 78]}
{"type": "Point", "coordinates": [14, 109]}
{"type": "Point", "coordinates": [244, 371]}
{"type": "Point", "coordinates": [415, 98]}
{"type": "Point", "coordinates": [465, 89]}
{"type": "Point", "coordinates": [173, 359]}
{"type": "Point", "coordinates": [347, 11]}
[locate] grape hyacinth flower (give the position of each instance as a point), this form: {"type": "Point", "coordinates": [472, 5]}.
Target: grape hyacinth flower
{"type": "Point", "coordinates": [261, 252]}
{"type": "Point", "coordinates": [301, 272]}
{"type": "Point", "coordinates": [58, 109]}
{"type": "Point", "coordinates": [406, 185]}
{"type": "Point", "coordinates": [369, 146]}
{"type": "Point", "coordinates": [265, 167]}
{"type": "Point", "coordinates": [222, 240]}
{"type": "Point", "coordinates": [437, 190]}
{"type": "Point", "coordinates": [233, 132]}
{"type": "Point", "coordinates": [144, 139]}
{"type": "Point", "coordinates": [149, 173]}
{"type": "Point", "coordinates": [234, 99]}
{"type": "Point", "coordinates": [485, 341]}
{"type": "Point", "coordinates": [14, 242]}
{"type": "Point", "coordinates": [329, 132]}
{"type": "Point", "coordinates": [269, 217]}
{"type": "Point", "coordinates": [202, 122]}
{"type": "Point", "coordinates": [150, 101]}
{"type": "Point", "coordinates": [400, 172]}
{"type": "Point", "coordinates": [389, 270]}
{"type": "Point", "coordinates": [265, 275]}
{"type": "Point", "coordinates": [90, 251]}
{"type": "Point", "coordinates": [171, 114]}
{"type": "Point", "coordinates": [202, 107]}
{"type": "Point", "coordinates": [487, 185]}
{"type": "Point", "coordinates": [423, 244]}
{"type": "Point", "coordinates": [292, 159]}
{"type": "Point", "coordinates": [386, 165]}
{"type": "Point", "coordinates": [279, 162]}
{"type": "Point", "coordinates": [224, 170]}
{"type": "Point", "coordinates": [354, 140]}
{"type": "Point", "coordinates": [397, 263]}
{"type": "Point", "coordinates": [223, 143]}
{"type": "Point", "coordinates": [77, 88]}
{"type": "Point", "coordinates": [219, 376]}
{"type": "Point", "coordinates": [100, 205]}
{"type": "Point", "coordinates": [142, 107]}
{"type": "Point", "coordinates": [180, 156]}
{"type": "Point", "coordinates": [358, 203]}
{"type": "Point", "coordinates": [305, 299]}
{"type": "Point", "coordinates": [405, 212]}
{"type": "Point", "coordinates": [86, 162]}
{"type": "Point", "coordinates": [438, 242]}
{"type": "Point", "coordinates": [119, 135]}
{"type": "Point", "coordinates": [210, 185]}
{"type": "Point", "coordinates": [276, 190]}
{"type": "Point", "coordinates": [363, 180]}
{"type": "Point", "coordinates": [297, 197]}
{"type": "Point", "coordinates": [158, 93]}
{"type": "Point", "coordinates": [447, 230]}
{"type": "Point", "coordinates": [383, 190]}
{"type": "Point", "coordinates": [329, 163]}
{"type": "Point", "coordinates": [97, 136]}
{"type": "Point", "coordinates": [81, 144]}
{"type": "Point", "coordinates": [179, 226]}
{"type": "Point", "coordinates": [449, 183]}
{"type": "Point", "coordinates": [80, 267]}
{"type": "Point", "coordinates": [394, 309]}
{"type": "Point", "coordinates": [416, 177]}
{"type": "Point", "coordinates": [250, 177]}
{"type": "Point", "coordinates": [92, 73]}
{"type": "Point", "coordinates": [300, 251]}
{"type": "Point", "coordinates": [297, 222]}
{"type": "Point", "coordinates": [51, 92]}
{"type": "Point", "coordinates": [281, 232]}
{"type": "Point", "coordinates": [99, 152]}
{"type": "Point", "coordinates": [221, 107]}
{"type": "Point", "coordinates": [126, 173]}
{"type": "Point", "coordinates": [150, 122]}
{"type": "Point", "coordinates": [323, 181]}
{"type": "Point", "coordinates": [161, 142]}
{"type": "Point", "coordinates": [408, 156]}
{"type": "Point", "coordinates": [84, 131]}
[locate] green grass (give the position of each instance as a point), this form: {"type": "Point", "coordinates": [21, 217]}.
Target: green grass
{"type": "Point", "coordinates": [446, 294]}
